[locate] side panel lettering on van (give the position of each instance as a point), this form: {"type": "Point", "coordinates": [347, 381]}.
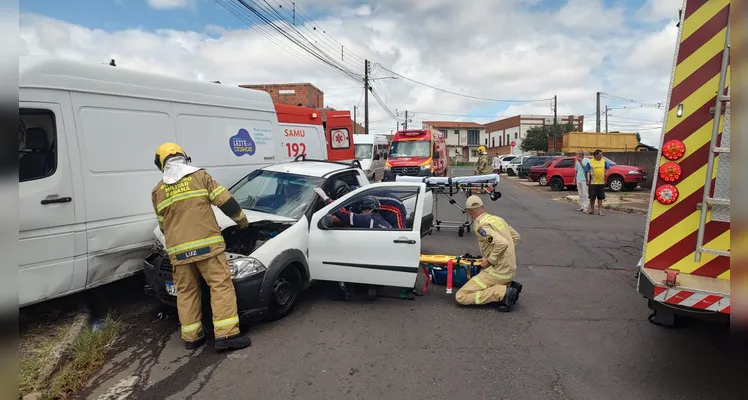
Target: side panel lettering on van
{"type": "Point", "coordinates": [295, 132]}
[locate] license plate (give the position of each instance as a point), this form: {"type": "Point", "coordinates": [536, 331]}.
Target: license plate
{"type": "Point", "coordinates": [170, 288]}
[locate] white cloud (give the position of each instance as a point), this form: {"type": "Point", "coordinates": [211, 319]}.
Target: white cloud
{"type": "Point", "coordinates": [660, 10]}
{"type": "Point", "coordinates": [493, 49]}
{"type": "Point", "coordinates": [170, 4]}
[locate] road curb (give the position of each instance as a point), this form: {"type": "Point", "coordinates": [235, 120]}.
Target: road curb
{"type": "Point", "coordinates": [61, 351]}
{"type": "Point", "coordinates": [629, 210]}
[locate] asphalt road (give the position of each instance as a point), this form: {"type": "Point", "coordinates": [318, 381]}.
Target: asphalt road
{"type": "Point", "coordinates": [579, 331]}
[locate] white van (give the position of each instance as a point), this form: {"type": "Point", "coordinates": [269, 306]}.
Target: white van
{"type": "Point", "coordinates": [87, 168]}
{"type": "Point", "coordinates": [372, 151]}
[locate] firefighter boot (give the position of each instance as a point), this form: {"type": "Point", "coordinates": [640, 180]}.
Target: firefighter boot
{"type": "Point", "coordinates": [233, 343]}
{"type": "Point", "coordinates": [506, 303]}
{"type": "Point", "coordinates": [517, 286]}
{"type": "Point", "coordinates": [196, 344]}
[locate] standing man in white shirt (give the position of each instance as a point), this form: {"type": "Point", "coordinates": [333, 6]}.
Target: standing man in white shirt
{"type": "Point", "coordinates": [580, 179]}
{"type": "Point", "coordinates": [497, 165]}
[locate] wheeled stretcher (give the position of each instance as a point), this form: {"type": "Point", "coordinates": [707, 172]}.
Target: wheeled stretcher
{"type": "Point", "coordinates": [450, 187]}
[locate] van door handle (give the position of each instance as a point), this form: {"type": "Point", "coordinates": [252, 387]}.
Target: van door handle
{"type": "Point", "coordinates": [54, 199]}
{"type": "Point", "coordinates": [406, 241]}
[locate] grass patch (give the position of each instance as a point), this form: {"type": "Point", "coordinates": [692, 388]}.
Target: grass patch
{"type": "Point", "coordinates": [35, 349]}
{"type": "Point", "coordinates": [88, 354]}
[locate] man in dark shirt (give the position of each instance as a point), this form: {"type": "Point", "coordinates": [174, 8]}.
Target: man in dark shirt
{"type": "Point", "coordinates": [369, 216]}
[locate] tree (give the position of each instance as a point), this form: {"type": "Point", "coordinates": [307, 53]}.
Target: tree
{"type": "Point", "coordinates": [537, 137]}
{"type": "Point", "coordinates": [638, 137]}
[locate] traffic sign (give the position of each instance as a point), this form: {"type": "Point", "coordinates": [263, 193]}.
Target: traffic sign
{"type": "Point", "coordinates": [513, 143]}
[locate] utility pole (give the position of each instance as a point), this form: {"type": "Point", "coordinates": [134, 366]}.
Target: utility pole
{"type": "Point", "coordinates": [354, 120]}
{"type": "Point", "coordinates": [555, 117]}
{"type": "Point", "coordinates": [597, 121]}
{"type": "Point", "coordinates": [606, 118]}
{"type": "Point", "coordinates": [366, 97]}
{"type": "Point", "coordinates": [405, 124]}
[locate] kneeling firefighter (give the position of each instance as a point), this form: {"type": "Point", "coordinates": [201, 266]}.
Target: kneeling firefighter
{"type": "Point", "coordinates": [496, 239]}
{"type": "Point", "coordinates": [182, 201]}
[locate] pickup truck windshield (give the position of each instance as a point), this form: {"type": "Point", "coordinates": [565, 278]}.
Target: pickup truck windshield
{"type": "Point", "coordinates": [363, 151]}
{"type": "Point", "coordinates": [416, 148]}
{"type": "Point", "coordinates": [277, 193]}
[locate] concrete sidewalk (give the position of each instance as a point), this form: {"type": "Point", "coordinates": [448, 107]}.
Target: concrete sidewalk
{"type": "Point", "coordinates": [633, 204]}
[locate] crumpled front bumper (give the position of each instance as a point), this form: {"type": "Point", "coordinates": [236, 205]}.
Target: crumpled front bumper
{"type": "Point", "coordinates": [251, 301]}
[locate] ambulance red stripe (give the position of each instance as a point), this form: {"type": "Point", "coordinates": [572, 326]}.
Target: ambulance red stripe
{"type": "Point", "coordinates": [686, 246]}
{"type": "Point", "coordinates": [716, 267]}
{"type": "Point", "coordinates": [696, 80]}
{"type": "Point", "coordinates": [704, 34]}
{"type": "Point", "coordinates": [691, 7]}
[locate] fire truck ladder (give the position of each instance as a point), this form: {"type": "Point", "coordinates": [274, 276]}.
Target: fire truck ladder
{"type": "Point", "coordinates": [707, 201]}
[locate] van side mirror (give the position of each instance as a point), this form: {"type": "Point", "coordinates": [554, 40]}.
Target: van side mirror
{"type": "Point", "coordinates": [326, 222]}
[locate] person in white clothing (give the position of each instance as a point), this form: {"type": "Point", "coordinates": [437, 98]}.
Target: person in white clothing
{"type": "Point", "coordinates": [496, 165]}
{"type": "Point", "coordinates": [580, 180]}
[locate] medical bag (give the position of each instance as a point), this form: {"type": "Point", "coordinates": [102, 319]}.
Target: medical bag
{"type": "Point", "coordinates": [460, 274]}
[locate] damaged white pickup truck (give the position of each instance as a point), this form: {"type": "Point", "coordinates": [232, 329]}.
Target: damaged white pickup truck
{"type": "Point", "coordinates": [289, 242]}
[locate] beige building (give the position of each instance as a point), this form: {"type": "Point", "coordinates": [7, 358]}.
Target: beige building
{"type": "Point", "coordinates": [463, 138]}
{"type": "Point", "coordinates": [503, 132]}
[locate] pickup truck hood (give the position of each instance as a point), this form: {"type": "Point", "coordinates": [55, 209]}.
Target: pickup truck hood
{"type": "Point", "coordinates": [225, 222]}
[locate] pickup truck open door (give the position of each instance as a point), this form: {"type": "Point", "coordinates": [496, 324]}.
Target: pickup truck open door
{"type": "Point", "coordinates": [387, 257]}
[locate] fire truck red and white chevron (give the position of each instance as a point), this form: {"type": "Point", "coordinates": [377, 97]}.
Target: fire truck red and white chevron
{"type": "Point", "coordinates": [695, 299]}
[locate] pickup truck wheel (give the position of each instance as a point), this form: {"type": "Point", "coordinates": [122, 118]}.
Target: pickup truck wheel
{"type": "Point", "coordinates": [285, 292]}
{"type": "Point", "coordinates": [543, 180]}
{"type": "Point", "coordinates": [510, 172]}
{"type": "Point", "coordinates": [557, 184]}
{"type": "Point", "coordinates": [616, 183]}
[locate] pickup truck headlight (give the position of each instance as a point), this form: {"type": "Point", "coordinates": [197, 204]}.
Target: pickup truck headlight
{"type": "Point", "coordinates": [245, 266]}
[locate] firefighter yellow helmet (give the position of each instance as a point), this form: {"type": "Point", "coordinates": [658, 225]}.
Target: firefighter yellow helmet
{"type": "Point", "coordinates": [481, 149]}
{"type": "Point", "coordinates": [167, 150]}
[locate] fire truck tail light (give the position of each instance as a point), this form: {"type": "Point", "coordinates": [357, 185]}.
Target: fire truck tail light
{"type": "Point", "coordinates": [666, 194]}
{"type": "Point", "coordinates": [673, 150]}
{"type": "Point", "coordinates": [670, 171]}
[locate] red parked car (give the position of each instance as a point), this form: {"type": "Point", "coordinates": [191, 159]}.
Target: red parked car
{"type": "Point", "coordinates": [538, 172]}
{"type": "Point", "coordinates": [560, 175]}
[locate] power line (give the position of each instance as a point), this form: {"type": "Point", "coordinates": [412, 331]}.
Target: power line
{"type": "Point", "coordinates": [306, 48]}
{"type": "Point", "coordinates": [619, 98]}
{"type": "Point", "coordinates": [263, 31]}
{"type": "Point", "coordinates": [460, 94]}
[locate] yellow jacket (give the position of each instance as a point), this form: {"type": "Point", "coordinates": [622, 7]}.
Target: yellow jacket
{"type": "Point", "coordinates": [496, 240]}
{"type": "Point", "coordinates": [483, 166]}
{"type": "Point", "coordinates": [184, 214]}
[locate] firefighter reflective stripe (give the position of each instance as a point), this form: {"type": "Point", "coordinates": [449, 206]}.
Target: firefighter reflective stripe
{"type": "Point", "coordinates": [479, 282]}
{"type": "Point", "coordinates": [225, 322]}
{"type": "Point", "coordinates": [477, 298]}
{"type": "Point", "coordinates": [192, 327]}
{"type": "Point", "coordinates": [159, 218]}
{"type": "Point", "coordinates": [182, 196]}
{"type": "Point", "coordinates": [195, 244]}
{"type": "Point", "coordinates": [216, 192]}
{"type": "Point", "coordinates": [507, 276]}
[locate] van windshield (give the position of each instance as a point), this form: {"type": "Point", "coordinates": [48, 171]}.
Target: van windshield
{"type": "Point", "coordinates": [414, 148]}
{"type": "Point", "coordinates": [277, 193]}
{"type": "Point", "coordinates": [363, 151]}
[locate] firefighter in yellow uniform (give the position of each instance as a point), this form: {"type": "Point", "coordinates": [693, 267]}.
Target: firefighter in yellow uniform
{"type": "Point", "coordinates": [182, 201]}
{"type": "Point", "coordinates": [483, 166]}
{"type": "Point", "coordinates": [495, 283]}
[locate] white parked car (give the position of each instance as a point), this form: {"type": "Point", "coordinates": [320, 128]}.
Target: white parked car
{"type": "Point", "coordinates": [512, 169]}
{"type": "Point", "coordinates": [289, 242]}
{"type": "Point", "coordinates": [505, 160]}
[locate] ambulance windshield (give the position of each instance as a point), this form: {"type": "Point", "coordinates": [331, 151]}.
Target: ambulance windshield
{"type": "Point", "coordinates": [363, 151]}
{"type": "Point", "coordinates": [415, 148]}
{"type": "Point", "coordinates": [277, 193]}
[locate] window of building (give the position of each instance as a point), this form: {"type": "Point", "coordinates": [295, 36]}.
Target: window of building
{"type": "Point", "coordinates": [444, 131]}
{"type": "Point", "coordinates": [516, 134]}
{"type": "Point", "coordinates": [37, 147]}
{"type": "Point", "coordinates": [493, 142]}
{"type": "Point", "coordinates": [473, 137]}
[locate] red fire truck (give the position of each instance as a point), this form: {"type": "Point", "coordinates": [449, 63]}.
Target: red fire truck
{"type": "Point", "coordinates": [685, 267]}
{"type": "Point", "coordinates": [320, 134]}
